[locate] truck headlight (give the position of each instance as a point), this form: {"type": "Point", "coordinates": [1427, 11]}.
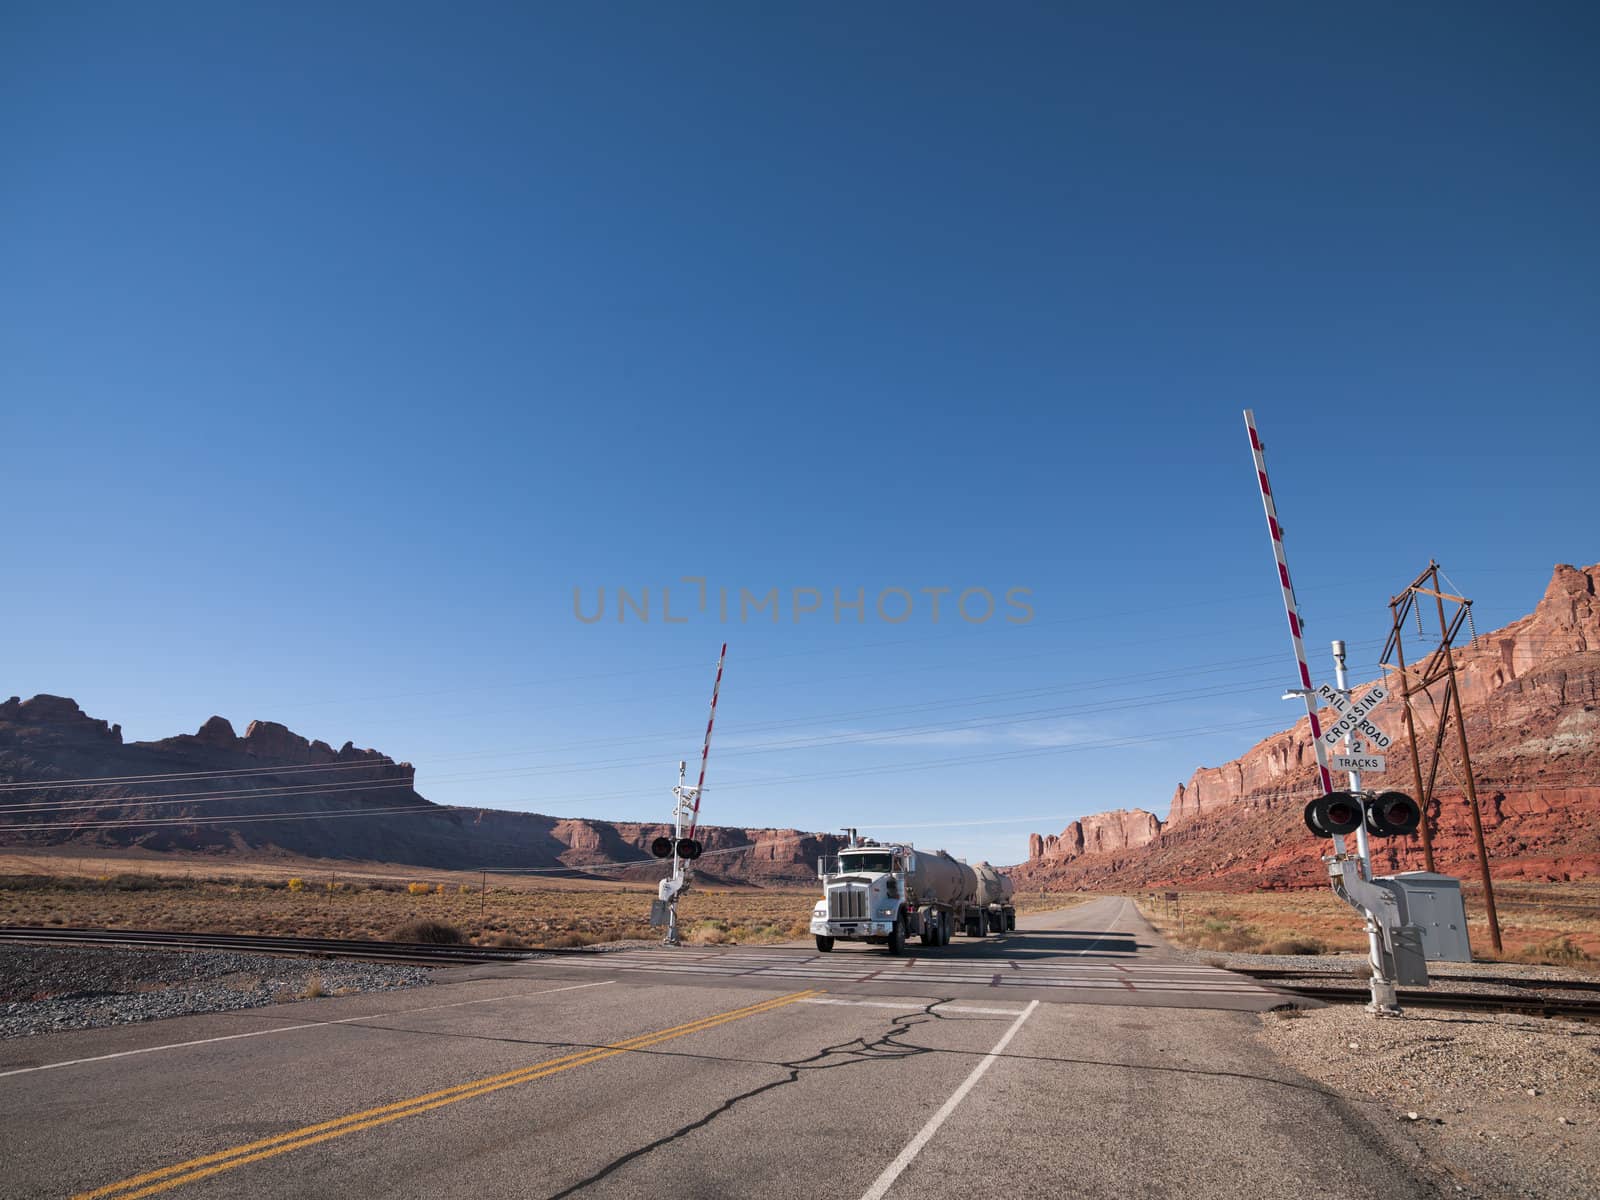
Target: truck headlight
{"type": "Point", "coordinates": [887, 912]}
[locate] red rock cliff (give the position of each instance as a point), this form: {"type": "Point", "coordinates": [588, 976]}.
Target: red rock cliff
{"type": "Point", "coordinates": [1532, 707]}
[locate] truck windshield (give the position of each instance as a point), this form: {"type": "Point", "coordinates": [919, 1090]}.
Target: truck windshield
{"type": "Point", "coordinates": [878, 862]}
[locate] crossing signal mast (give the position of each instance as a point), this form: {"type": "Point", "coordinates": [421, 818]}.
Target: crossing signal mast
{"type": "Point", "coordinates": [1412, 917]}
{"type": "Point", "coordinates": [683, 848]}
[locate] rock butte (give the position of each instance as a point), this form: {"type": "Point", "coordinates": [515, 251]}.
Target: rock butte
{"type": "Point", "coordinates": [1532, 709]}
{"type": "Point", "coordinates": [50, 738]}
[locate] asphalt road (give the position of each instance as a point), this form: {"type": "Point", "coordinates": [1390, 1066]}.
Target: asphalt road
{"type": "Point", "coordinates": [788, 1077]}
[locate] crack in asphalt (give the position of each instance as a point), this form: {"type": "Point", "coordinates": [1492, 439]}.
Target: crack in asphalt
{"type": "Point", "coordinates": [908, 1051]}
{"type": "Point", "coordinates": [857, 1050]}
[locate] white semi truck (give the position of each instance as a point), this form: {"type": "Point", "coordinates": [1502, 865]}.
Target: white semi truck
{"type": "Point", "coordinates": [887, 893]}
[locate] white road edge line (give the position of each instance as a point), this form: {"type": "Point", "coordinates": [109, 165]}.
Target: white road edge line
{"type": "Point", "coordinates": [903, 1160]}
{"type": "Point", "coordinates": [233, 1037]}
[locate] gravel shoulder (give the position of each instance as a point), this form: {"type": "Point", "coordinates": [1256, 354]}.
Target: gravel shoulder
{"type": "Point", "coordinates": [46, 989]}
{"type": "Point", "coordinates": [1500, 1105]}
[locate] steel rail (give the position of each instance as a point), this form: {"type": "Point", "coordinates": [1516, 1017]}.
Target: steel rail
{"type": "Point", "coordinates": [425, 954]}
{"type": "Point", "coordinates": [1537, 1006]}
{"type": "Point", "coordinates": [1571, 985]}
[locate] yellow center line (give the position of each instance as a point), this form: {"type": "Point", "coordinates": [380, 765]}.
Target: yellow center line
{"type": "Point", "coordinates": [237, 1156]}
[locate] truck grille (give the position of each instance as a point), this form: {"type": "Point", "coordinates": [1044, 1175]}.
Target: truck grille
{"type": "Point", "coordinates": [847, 904]}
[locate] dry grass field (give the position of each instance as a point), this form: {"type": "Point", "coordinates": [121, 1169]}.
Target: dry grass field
{"type": "Point", "coordinates": [1555, 923]}
{"type": "Point", "coordinates": [315, 898]}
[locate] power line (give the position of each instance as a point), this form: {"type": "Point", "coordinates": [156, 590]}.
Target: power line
{"type": "Point", "coordinates": [950, 637]}
{"type": "Point", "coordinates": [232, 818]}
{"type": "Point", "coordinates": [815, 651]}
{"type": "Point", "coordinates": [959, 702]}
{"type": "Point", "coordinates": [1175, 735]}
{"type": "Point", "coordinates": [864, 737]}
{"type": "Point", "coordinates": [114, 780]}
{"type": "Point", "coordinates": [1081, 685]}
{"type": "Point", "coordinates": [283, 793]}
{"type": "Point", "coordinates": [868, 737]}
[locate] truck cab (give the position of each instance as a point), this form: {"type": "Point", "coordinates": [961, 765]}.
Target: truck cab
{"type": "Point", "coordinates": [863, 897]}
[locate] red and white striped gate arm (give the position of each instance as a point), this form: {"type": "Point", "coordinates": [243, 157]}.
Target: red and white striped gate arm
{"type": "Point", "coordinates": [705, 749]}
{"type": "Point", "coordinates": [1290, 606]}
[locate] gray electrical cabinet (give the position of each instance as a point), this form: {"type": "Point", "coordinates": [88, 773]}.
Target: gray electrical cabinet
{"type": "Point", "coordinates": [1432, 904]}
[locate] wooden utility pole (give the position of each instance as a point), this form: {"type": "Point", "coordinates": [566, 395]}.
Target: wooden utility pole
{"type": "Point", "coordinates": [1411, 736]}
{"type": "Point", "coordinates": [1466, 771]}
{"type": "Point", "coordinates": [1441, 665]}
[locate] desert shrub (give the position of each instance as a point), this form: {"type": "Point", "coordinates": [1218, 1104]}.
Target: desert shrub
{"type": "Point", "coordinates": [570, 940]}
{"type": "Point", "coordinates": [1294, 945]}
{"type": "Point", "coordinates": [130, 882]}
{"type": "Point", "coordinates": [296, 884]}
{"type": "Point", "coordinates": [464, 890]}
{"type": "Point", "coordinates": [708, 933]}
{"type": "Point", "coordinates": [438, 889]}
{"type": "Point", "coordinates": [504, 941]}
{"type": "Point", "coordinates": [27, 883]}
{"type": "Point", "coordinates": [418, 889]}
{"type": "Point", "coordinates": [433, 933]}
{"type": "Point", "coordinates": [1560, 951]}
{"type": "Point", "coordinates": [1230, 941]}
{"type": "Point", "coordinates": [313, 989]}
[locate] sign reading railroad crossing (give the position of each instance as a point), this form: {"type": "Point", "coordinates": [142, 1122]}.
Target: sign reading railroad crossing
{"type": "Point", "coordinates": [1353, 717]}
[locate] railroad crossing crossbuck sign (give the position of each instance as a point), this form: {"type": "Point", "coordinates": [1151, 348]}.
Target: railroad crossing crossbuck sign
{"type": "Point", "coordinates": [1353, 717]}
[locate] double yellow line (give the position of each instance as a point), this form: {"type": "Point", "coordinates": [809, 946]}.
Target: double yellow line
{"type": "Point", "coordinates": [208, 1165]}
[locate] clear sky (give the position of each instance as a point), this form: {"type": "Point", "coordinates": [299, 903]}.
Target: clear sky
{"type": "Point", "coordinates": [340, 344]}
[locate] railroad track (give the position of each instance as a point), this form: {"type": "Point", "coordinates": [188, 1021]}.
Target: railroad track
{"type": "Point", "coordinates": [1568, 985]}
{"type": "Point", "coordinates": [415, 953]}
{"type": "Point", "coordinates": [441, 956]}
{"type": "Point", "coordinates": [1355, 992]}
{"type": "Point", "coordinates": [1534, 1006]}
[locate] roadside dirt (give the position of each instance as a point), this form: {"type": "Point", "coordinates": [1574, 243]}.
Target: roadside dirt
{"type": "Point", "coordinates": [1500, 1105]}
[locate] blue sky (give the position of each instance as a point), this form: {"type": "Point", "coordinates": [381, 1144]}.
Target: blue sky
{"type": "Point", "coordinates": [337, 348]}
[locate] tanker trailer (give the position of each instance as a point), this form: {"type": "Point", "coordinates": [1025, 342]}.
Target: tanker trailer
{"type": "Point", "coordinates": [884, 894]}
{"type": "Point", "coordinates": [995, 892]}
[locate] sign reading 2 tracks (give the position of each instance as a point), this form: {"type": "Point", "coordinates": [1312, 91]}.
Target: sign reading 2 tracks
{"type": "Point", "coordinates": [1368, 764]}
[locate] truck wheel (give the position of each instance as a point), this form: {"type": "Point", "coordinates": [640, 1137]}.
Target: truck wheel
{"type": "Point", "coordinates": [824, 944]}
{"type": "Point", "coordinates": [947, 928]}
{"type": "Point", "coordinates": [930, 929]}
{"type": "Point", "coordinates": [897, 937]}
{"type": "Point", "coordinates": [982, 923]}
{"type": "Point", "coordinates": [1011, 920]}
